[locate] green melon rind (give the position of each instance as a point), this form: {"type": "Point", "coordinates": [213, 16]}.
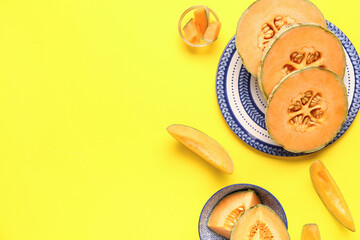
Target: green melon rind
{"type": "Point", "coordinates": [277, 37]}
{"type": "Point", "coordinates": [279, 85]}
{"type": "Point", "coordinates": [252, 208]}
{"type": "Point", "coordinates": [237, 27]}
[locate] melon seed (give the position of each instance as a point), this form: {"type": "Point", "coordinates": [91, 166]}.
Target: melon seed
{"type": "Point", "coordinates": [315, 100]}
{"type": "Point", "coordinates": [279, 22]}
{"type": "Point", "coordinates": [307, 97]}
{"type": "Point", "coordinates": [261, 230]}
{"type": "Point", "coordinates": [234, 215]}
{"type": "Point", "coordinates": [288, 68]}
{"type": "Point", "coordinates": [312, 57]}
{"type": "Point", "coordinates": [297, 57]}
{"type": "Point", "coordinates": [309, 110]}
{"type": "Point", "coordinates": [269, 29]}
{"type": "Point", "coordinates": [294, 107]}
{"type": "Point", "coordinates": [317, 113]}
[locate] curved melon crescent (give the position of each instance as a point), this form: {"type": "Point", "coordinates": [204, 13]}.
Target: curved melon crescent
{"type": "Point", "coordinates": [203, 145]}
{"type": "Point", "coordinates": [330, 194]}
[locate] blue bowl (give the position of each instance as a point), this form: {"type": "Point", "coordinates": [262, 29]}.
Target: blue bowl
{"type": "Point", "coordinates": [266, 199]}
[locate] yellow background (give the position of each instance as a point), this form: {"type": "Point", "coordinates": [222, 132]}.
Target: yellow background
{"type": "Point", "coordinates": [87, 89]}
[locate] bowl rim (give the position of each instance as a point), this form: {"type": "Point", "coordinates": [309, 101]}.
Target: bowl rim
{"type": "Point", "coordinates": [248, 186]}
{"type": "Point", "coordinates": [182, 18]}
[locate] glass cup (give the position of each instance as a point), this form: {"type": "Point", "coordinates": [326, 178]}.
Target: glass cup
{"type": "Point", "coordinates": [185, 18]}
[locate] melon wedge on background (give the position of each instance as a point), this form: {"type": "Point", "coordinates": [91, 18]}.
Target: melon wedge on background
{"type": "Point", "coordinates": [330, 194]}
{"type": "Point", "coordinates": [203, 145]}
{"type": "Point", "coordinates": [310, 232]}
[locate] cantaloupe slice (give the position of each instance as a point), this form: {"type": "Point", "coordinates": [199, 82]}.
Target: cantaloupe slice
{"type": "Point", "coordinates": [191, 32]}
{"type": "Point", "coordinates": [203, 145]}
{"type": "Point", "coordinates": [212, 32]}
{"type": "Point", "coordinates": [259, 23]}
{"type": "Point", "coordinates": [330, 194]}
{"type": "Point", "coordinates": [306, 110]}
{"type": "Point", "coordinates": [310, 232]}
{"type": "Point", "coordinates": [260, 222]}
{"type": "Point", "coordinates": [226, 213]}
{"type": "Point", "coordinates": [297, 47]}
{"type": "Point", "coordinates": [201, 16]}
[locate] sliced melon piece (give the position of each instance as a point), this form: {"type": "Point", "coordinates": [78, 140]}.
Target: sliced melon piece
{"type": "Point", "coordinates": [203, 145]}
{"type": "Point", "coordinates": [297, 47]}
{"type": "Point", "coordinates": [226, 213]}
{"type": "Point", "coordinates": [212, 32]}
{"type": "Point", "coordinates": [201, 16]}
{"type": "Point", "coordinates": [259, 23]}
{"type": "Point", "coordinates": [191, 32]}
{"type": "Point", "coordinates": [310, 232]}
{"type": "Point", "coordinates": [306, 110]}
{"type": "Point", "coordinates": [330, 194]}
{"type": "Point", "coordinates": [259, 222]}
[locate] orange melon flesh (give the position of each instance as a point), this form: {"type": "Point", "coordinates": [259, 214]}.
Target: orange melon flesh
{"type": "Point", "coordinates": [191, 32]}
{"type": "Point", "coordinates": [259, 222]}
{"type": "Point", "coordinates": [203, 145]}
{"type": "Point", "coordinates": [201, 16]}
{"type": "Point", "coordinates": [310, 232]}
{"type": "Point", "coordinates": [225, 214]}
{"type": "Point", "coordinates": [249, 34]}
{"type": "Point", "coordinates": [303, 39]}
{"type": "Point", "coordinates": [330, 194]}
{"type": "Point", "coordinates": [298, 136]}
{"type": "Point", "coordinates": [212, 32]}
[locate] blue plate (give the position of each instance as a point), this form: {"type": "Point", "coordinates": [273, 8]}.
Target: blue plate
{"type": "Point", "coordinates": [243, 105]}
{"type": "Point", "coordinates": [266, 198]}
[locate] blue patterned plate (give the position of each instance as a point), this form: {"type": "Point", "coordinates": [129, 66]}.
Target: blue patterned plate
{"type": "Point", "coordinates": [266, 198]}
{"type": "Point", "coordinates": [243, 106]}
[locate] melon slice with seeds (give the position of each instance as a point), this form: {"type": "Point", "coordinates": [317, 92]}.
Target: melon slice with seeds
{"type": "Point", "coordinates": [260, 222]}
{"type": "Point", "coordinates": [297, 47]}
{"type": "Point", "coordinates": [226, 213]}
{"type": "Point", "coordinates": [306, 110]}
{"type": "Point", "coordinates": [263, 19]}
